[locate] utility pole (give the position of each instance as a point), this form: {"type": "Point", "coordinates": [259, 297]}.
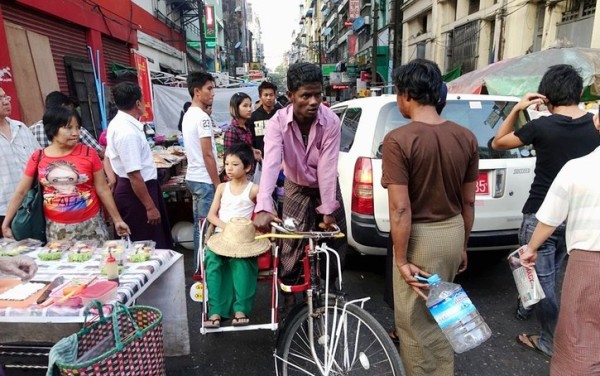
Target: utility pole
{"type": "Point", "coordinates": [316, 17]}
{"type": "Point", "coordinates": [375, 31]}
{"type": "Point", "coordinates": [202, 36]}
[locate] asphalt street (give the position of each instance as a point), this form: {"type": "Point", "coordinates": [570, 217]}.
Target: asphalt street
{"type": "Point", "coordinates": [488, 282]}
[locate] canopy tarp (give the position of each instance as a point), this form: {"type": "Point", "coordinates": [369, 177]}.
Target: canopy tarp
{"type": "Point", "coordinates": [517, 76]}
{"type": "Point", "coordinates": [169, 101]}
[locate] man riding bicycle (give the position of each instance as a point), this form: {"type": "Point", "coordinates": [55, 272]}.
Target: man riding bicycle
{"type": "Point", "coordinates": [311, 135]}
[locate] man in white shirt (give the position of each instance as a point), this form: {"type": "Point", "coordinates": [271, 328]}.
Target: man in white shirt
{"type": "Point", "coordinates": [16, 146]}
{"type": "Point", "coordinates": [202, 177]}
{"type": "Point", "coordinates": [137, 190]}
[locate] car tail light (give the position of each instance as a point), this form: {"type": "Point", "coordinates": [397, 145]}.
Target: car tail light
{"type": "Point", "coordinates": [362, 187]}
{"type": "Point", "coordinates": [500, 182]}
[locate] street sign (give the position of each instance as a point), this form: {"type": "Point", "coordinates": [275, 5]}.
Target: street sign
{"type": "Point", "coordinates": [211, 44]}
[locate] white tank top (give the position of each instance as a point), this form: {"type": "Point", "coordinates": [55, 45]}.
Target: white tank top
{"type": "Point", "coordinates": [236, 206]}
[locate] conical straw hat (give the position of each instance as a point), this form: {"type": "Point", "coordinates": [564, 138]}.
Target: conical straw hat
{"type": "Point", "coordinates": [237, 240]}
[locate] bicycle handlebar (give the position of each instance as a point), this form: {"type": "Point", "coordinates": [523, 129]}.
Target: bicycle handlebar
{"type": "Point", "coordinates": [286, 233]}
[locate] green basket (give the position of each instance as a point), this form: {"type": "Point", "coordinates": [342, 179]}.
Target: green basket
{"type": "Point", "coordinates": [128, 342]}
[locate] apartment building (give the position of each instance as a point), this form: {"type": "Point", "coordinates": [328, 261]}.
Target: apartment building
{"type": "Point", "coordinates": [470, 34]}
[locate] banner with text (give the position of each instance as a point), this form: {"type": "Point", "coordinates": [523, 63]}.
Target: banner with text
{"type": "Point", "coordinates": [143, 74]}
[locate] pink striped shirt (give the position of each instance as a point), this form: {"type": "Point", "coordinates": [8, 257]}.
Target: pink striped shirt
{"type": "Point", "coordinates": [312, 166]}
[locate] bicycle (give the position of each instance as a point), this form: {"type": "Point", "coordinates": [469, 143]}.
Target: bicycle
{"type": "Point", "coordinates": [326, 335]}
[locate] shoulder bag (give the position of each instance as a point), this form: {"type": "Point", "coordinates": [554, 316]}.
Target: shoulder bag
{"type": "Point", "coordinates": [29, 221]}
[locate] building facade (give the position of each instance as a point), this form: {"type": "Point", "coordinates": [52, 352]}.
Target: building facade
{"type": "Point", "coordinates": [467, 35]}
{"type": "Point", "coordinates": [69, 48]}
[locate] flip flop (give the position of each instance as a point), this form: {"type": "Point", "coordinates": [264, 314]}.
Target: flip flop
{"type": "Point", "coordinates": [530, 342]}
{"type": "Point", "coordinates": [394, 337]}
{"type": "Point", "coordinates": [212, 323]}
{"type": "Point", "coordinates": [240, 321]}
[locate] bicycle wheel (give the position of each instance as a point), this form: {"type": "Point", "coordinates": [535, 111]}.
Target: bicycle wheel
{"type": "Point", "coordinates": [358, 345]}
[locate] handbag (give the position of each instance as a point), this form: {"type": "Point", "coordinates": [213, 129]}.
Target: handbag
{"type": "Point", "coordinates": [127, 342]}
{"type": "Point", "coordinates": [29, 220]}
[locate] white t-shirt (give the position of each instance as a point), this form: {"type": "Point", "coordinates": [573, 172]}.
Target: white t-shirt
{"type": "Point", "coordinates": [127, 147]}
{"type": "Point", "coordinates": [196, 125]}
{"type": "Point", "coordinates": [575, 196]}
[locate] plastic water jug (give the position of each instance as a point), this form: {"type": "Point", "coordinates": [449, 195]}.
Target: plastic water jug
{"type": "Point", "coordinates": [456, 315]}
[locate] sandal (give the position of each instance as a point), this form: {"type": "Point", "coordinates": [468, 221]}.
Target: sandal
{"type": "Point", "coordinates": [240, 319]}
{"type": "Point", "coordinates": [213, 323]}
{"type": "Point", "coordinates": [394, 337]}
{"type": "Point", "coordinates": [530, 341]}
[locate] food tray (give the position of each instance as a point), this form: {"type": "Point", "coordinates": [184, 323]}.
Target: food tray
{"type": "Point", "coordinates": [141, 250]}
{"type": "Point", "coordinates": [6, 284]}
{"type": "Point", "coordinates": [82, 250]}
{"type": "Point", "coordinates": [16, 248]}
{"type": "Point", "coordinates": [53, 250]}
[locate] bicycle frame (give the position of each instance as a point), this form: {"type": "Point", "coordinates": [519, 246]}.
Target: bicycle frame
{"type": "Point", "coordinates": [312, 285]}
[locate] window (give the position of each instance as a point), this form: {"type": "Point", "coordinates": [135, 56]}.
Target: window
{"type": "Point", "coordinates": [482, 117]}
{"type": "Point", "coordinates": [349, 119]}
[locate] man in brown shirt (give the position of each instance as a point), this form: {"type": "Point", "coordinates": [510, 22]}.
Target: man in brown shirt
{"type": "Point", "coordinates": [430, 168]}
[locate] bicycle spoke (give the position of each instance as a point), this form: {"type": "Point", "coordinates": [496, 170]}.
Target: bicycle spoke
{"type": "Point", "coordinates": [357, 345]}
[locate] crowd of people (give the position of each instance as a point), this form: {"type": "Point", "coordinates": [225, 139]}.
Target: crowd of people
{"type": "Point", "coordinates": [430, 226]}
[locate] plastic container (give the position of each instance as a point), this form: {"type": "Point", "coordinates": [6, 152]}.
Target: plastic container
{"type": "Point", "coordinates": [82, 250]}
{"type": "Point", "coordinates": [103, 291]}
{"type": "Point", "coordinates": [53, 250]}
{"type": "Point", "coordinates": [59, 293]}
{"type": "Point", "coordinates": [19, 247]}
{"type": "Point", "coordinates": [456, 315]}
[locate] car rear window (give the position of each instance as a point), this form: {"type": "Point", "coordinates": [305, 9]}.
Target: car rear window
{"type": "Point", "coordinates": [482, 117]}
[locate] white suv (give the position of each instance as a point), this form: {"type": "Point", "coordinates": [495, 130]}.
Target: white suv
{"type": "Point", "coordinates": [504, 176]}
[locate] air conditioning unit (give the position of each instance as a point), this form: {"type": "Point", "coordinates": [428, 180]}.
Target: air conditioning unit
{"type": "Point", "coordinates": [367, 20]}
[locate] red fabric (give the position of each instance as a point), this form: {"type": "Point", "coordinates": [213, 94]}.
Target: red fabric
{"type": "Point", "coordinates": [68, 181]}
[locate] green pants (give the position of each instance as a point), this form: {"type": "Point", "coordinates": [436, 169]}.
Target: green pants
{"type": "Point", "coordinates": [231, 284]}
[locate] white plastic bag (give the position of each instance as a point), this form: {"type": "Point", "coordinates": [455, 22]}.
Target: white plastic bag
{"type": "Point", "coordinates": [257, 173]}
{"type": "Point", "coordinates": [528, 284]}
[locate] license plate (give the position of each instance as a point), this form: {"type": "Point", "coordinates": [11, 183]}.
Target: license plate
{"type": "Point", "coordinates": [483, 186]}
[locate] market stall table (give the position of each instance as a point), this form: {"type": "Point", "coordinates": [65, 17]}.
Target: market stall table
{"type": "Point", "coordinates": [158, 282]}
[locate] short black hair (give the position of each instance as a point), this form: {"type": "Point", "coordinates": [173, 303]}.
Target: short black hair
{"type": "Point", "coordinates": [57, 117]}
{"type": "Point", "coordinates": [561, 85]}
{"type": "Point", "coordinates": [197, 80]}
{"type": "Point", "coordinates": [266, 85]}
{"type": "Point", "coordinates": [421, 79]}
{"type": "Point", "coordinates": [126, 94]}
{"type": "Point", "coordinates": [243, 151]}
{"type": "Point", "coordinates": [303, 73]}
{"type": "Point", "coordinates": [234, 103]}
{"type": "Point", "coordinates": [57, 99]}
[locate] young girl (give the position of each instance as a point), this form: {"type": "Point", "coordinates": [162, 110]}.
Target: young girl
{"type": "Point", "coordinates": [240, 108]}
{"type": "Point", "coordinates": [232, 277]}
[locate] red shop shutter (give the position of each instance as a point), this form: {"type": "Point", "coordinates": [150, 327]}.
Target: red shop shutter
{"type": "Point", "coordinates": [66, 39]}
{"type": "Point", "coordinates": [116, 51]}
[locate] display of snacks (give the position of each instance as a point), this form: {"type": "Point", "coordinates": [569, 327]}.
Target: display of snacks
{"type": "Point", "coordinates": [82, 250]}
{"type": "Point", "coordinates": [141, 251]}
{"type": "Point", "coordinates": [53, 250]}
{"type": "Point", "coordinates": [6, 244]}
{"type": "Point", "coordinates": [16, 248]}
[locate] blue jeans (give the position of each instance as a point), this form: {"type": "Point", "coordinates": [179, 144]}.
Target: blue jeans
{"type": "Point", "coordinates": [548, 265]}
{"type": "Point", "coordinates": [202, 196]}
